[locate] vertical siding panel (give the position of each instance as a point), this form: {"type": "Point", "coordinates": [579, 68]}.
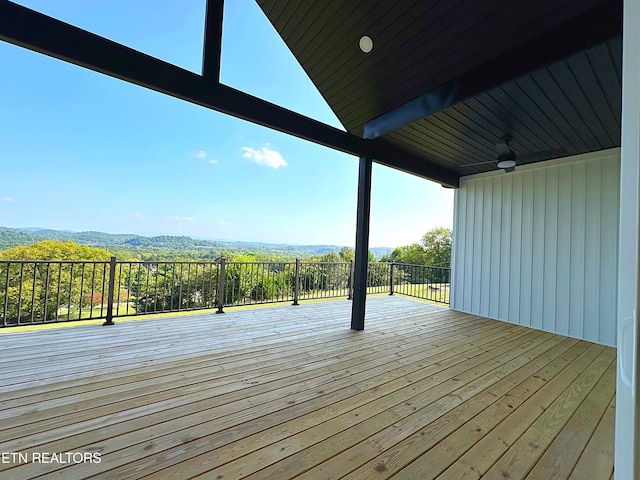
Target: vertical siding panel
{"type": "Point", "coordinates": [539, 247]}
{"type": "Point", "coordinates": [526, 254]}
{"type": "Point", "coordinates": [609, 248]}
{"type": "Point", "coordinates": [468, 248]}
{"type": "Point", "coordinates": [478, 247]}
{"type": "Point", "coordinates": [563, 274]}
{"type": "Point", "coordinates": [516, 249]}
{"type": "Point", "coordinates": [578, 214]}
{"type": "Point", "coordinates": [538, 253]}
{"type": "Point", "coordinates": [550, 250]}
{"type": "Point", "coordinates": [505, 248]}
{"type": "Point", "coordinates": [485, 268]}
{"type": "Point", "coordinates": [593, 190]}
{"type": "Point", "coordinates": [496, 247]}
{"type": "Point", "coordinates": [454, 288]}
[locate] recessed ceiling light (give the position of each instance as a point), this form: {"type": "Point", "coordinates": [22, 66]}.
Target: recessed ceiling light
{"type": "Point", "coordinates": [366, 44]}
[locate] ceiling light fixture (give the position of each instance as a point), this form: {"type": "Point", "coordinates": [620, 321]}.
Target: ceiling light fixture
{"type": "Point", "coordinates": [507, 164]}
{"type": "Point", "coordinates": [366, 44]}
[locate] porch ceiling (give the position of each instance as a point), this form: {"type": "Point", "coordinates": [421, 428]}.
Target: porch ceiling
{"type": "Point", "coordinates": [447, 80]}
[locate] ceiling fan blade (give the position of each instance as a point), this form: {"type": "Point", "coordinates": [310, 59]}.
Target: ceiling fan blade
{"type": "Point", "coordinates": [478, 163]}
{"type": "Point", "coordinates": [554, 152]}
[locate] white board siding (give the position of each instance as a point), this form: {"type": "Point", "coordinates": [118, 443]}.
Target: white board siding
{"type": "Point", "coordinates": [538, 247]}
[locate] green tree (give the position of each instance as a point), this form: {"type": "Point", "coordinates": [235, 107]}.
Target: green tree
{"type": "Point", "coordinates": [41, 291]}
{"type": "Point", "coordinates": [162, 286]}
{"type": "Point", "coordinates": [437, 246]}
{"type": "Point", "coordinates": [55, 250]}
{"type": "Point", "coordinates": [347, 254]}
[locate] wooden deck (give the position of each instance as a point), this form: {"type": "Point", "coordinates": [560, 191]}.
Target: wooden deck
{"type": "Point", "coordinates": [284, 392]}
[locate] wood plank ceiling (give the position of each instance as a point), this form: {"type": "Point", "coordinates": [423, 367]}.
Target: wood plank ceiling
{"type": "Point", "coordinates": [547, 72]}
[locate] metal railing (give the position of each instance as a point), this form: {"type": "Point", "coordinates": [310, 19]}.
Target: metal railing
{"type": "Point", "coordinates": [37, 292]}
{"type": "Point", "coordinates": [420, 281]}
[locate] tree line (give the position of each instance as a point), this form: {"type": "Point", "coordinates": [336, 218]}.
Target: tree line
{"type": "Point", "coordinates": [56, 290]}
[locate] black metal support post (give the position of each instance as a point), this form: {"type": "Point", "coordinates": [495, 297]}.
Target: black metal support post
{"type": "Point", "coordinates": [112, 281]}
{"type": "Point", "coordinates": [362, 244]}
{"type": "Point", "coordinates": [221, 287]}
{"type": "Point", "coordinates": [296, 283]}
{"type": "Point", "coordinates": [212, 40]}
{"type": "Point", "coordinates": [391, 278]}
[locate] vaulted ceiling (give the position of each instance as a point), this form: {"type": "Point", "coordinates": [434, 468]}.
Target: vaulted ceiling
{"type": "Point", "coordinates": [447, 80]}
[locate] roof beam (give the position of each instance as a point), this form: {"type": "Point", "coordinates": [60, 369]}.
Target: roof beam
{"type": "Point", "coordinates": [212, 40]}
{"type": "Point", "coordinates": [38, 32]}
{"type": "Point", "coordinates": [591, 28]}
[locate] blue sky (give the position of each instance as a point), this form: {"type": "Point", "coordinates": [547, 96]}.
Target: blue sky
{"type": "Point", "coordinates": [83, 151]}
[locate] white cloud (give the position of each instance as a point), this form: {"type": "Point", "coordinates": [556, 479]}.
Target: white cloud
{"type": "Point", "coordinates": [138, 215]}
{"type": "Point", "coordinates": [182, 219]}
{"type": "Point", "coordinates": [264, 156]}
{"type": "Point", "coordinates": [203, 155]}
{"type": "Point", "coordinates": [7, 199]}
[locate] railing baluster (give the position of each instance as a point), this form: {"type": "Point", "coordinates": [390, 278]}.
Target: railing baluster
{"type": "Point", "coordinates": [351, 275]}
{"type": "Point", "coordinates": [104, 277]}
{"type": "Point", "coordinates": [296, 283]}
{"type": "Point", "coordinates": [81, 288]}
{"type": "Point", "coordinates": [20, 293]}
{"type": "Point", "coordinates": [119, 287]}
{"type": "Point", "coordinates": [203, 292]}
{"type": "Point", "coordinates": [70, 299]}
{"type": "Point", "coordinates": [155, 288]}
{"type": "Point", "coordinates": [6, 297]}
{"type": "Point", "coordinates": [221, 286]}
{"type": "Point", "coordinates": [33, 290]}
{"type": "Point", "coordinates": [46, 294]}
{"type": "Point", "coordinates": [112, 279]}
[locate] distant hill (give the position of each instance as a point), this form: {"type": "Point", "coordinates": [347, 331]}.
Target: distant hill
{"type": "Point", "coordinates": [11, 237]}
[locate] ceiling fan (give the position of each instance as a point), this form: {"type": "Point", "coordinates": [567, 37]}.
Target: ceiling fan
{"type": "Point", "coordinates": [507, 158]}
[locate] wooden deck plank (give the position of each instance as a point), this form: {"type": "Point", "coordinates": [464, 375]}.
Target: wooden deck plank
{"type": "Point", "coordinates": [559, 460]}
{"type": "Point", "coordinates": [239, 360]}
{"type": "Point", "coordinates": [518, 461]}
{"type": "Point", "coordinates": [487, 450]}
{"type": "Point", "coordinates": [420, 369]}
{"type": "Point", "coordinates": [203, 367]}
{"type": "Point", "coordinates": [284, 392]}
{"type": "Point", "coordinates": [468, 421]}
{"type": "Point", "coordinates": [368, 416]}
{"type": "Point", "coordinates": [448, 451]}
{"type": "Point", "coordinates": [92, 361]}
{"type": "Point", "coordinates": [391, 436]}
{"type": "Point", "coordinates": [48, 419]}
{"type": "Point", "coordinates": [596, 460]}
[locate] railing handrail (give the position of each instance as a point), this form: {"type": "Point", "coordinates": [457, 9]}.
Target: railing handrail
{"type": "Point", "coordinates": [419, 265]}
{"type": "Point", "coordinates": [215, 262]}
{"type": "Point", "coordinates": [57, 261]}
{"type": "Point", "coordinates": [41, 291]}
